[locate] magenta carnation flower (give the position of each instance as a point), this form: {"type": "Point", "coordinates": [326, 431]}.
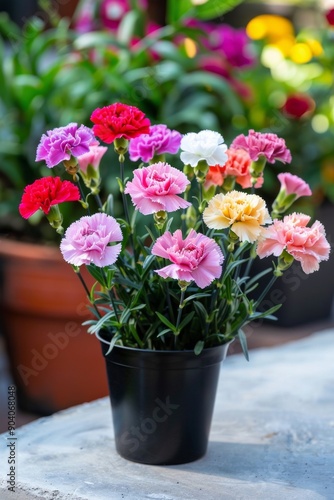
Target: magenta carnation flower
{"type": "Point", "coordinates": [259, 144]}
{"type": "Point", "coordinates": [87, 241]}
{"type": "Point", "coordinates": [160, 140]}
{"type": "Point", "coordinates": [308, 245]}
{"type": "Point", "coordinates": [196, 258]}
{"type": "Point", "coordinates": [61, 143]}
{"type": "Point", "coordinates": [156, 187]}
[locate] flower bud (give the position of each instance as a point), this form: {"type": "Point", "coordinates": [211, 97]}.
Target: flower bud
{"type": "Point", "coordinates": [121, 146]}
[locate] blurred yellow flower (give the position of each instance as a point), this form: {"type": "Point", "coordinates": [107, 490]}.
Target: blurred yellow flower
{"type": "Point", "coordinates": [190, 47]}
{"type": "Point", "coordinates": [243, 213]}
{"type": "Point", "coordinates": [285, 44]}
{"type": "Point", "coordinates": [269, 26]}
{"type": "Point", "coordinates": [301, 53]}
{"type": "Point", "coordinates": [315, 46]}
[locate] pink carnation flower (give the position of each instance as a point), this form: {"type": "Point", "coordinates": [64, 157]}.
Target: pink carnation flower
{"type": "Point", "coordinates": [259, 144]}
{"type": "Point", "coordinates": [308, 245]}
{"type": "Point", "coordinates": [87, 241]}
{"type": "Point", "coordinates": [160, 140]}
{"type": "Point", "coordinates": [196, 258]}
{"type": "Point", "coordinates": [292, 184]}
{"type": "Point", "coordinates": [61, 143]}
{"type": "Point", "coordinates": [93, 157]}
{"type": "Point", "coordinates": [156, 188]}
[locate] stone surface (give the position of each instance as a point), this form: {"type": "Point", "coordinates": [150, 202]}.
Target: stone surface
{"type": "Point", "coordinates": [272, 438]}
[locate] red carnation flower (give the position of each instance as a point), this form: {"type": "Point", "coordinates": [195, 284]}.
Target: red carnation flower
{"type": "Point", "coordinates": [119, 120]}
{"type": "Point", "coordinates": [297, 105]}
{"type": "Point", "coordinates": [44, 193]}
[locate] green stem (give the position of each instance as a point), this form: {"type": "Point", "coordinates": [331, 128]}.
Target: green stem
{"type": "Point", "coordinates": [125, 206]}
{"type": "Point", "coordinates": [76, 179]}
{"type": "Point", "coordinates": [179, 314]}
{"type": "Point", "coordinates": [87, 291]}
{"type": "Point", "coordinates": [98, 201]}
{"type": "Point", "coordinates": [265, 291]}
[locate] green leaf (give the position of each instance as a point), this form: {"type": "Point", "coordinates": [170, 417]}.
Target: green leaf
{"type": "Point", "coordinates": [165, 321]}
{"type": "Point", "coordinates": [96, 272]}
{"type": "Point", "coordinates": [199, 347]}
{"type": "Point", "coordinates": [196, 296]}
{"type": "Point", "coordinates": [265, 314]}
{"type": "Point", "coordinates": [212, 9]}
{"type": "Point", "coordinates": [95, 39]}
{"type": "Point", "coordinates": [161, 334]}
{"type": "Point", "coordinates": [127, 27]}
{"type": "Point", "coordinates": [177, 9]}
{"type": "Point", "coordinates": [243, 342]}
{"type": "Point", "coordinates": [186, 320]}
{"type": "Point", "coordinates": [115, 338]}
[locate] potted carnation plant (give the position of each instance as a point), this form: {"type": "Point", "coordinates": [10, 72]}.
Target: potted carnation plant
{"type": "Point", "coordinates": [172, 293]}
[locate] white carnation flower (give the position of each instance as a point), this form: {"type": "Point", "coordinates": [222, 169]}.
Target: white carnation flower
{"type": "Point", "coordinates": [205, 145]}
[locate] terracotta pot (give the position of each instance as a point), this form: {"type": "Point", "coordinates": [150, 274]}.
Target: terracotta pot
{"type": "Point", "coordinates": [54, 362]}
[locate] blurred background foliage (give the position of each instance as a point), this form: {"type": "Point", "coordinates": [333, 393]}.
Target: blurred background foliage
{"type": "Point", "coordinates": [224, 65]}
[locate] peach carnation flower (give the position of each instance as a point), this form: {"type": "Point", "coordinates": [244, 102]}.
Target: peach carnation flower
{"type": "Point", "coordinates": [308, 245]}
{"type": "Point", "coordinates": [238, 166]}
{"type": "Point", "coordinates": [244, 213]}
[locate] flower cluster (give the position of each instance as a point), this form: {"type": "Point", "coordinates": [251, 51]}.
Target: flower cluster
{"type": "Point", "coordinates": [182, 279]}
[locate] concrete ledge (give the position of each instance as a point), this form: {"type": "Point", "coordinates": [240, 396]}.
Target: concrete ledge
{"type": "Point", "coordinates": [272, 438]}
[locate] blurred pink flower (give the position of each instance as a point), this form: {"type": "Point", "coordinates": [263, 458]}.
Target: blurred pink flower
{"type": "Point", "coordinates": [308, 245]}
{"type": "Point", "coordinates": [229, 43]}
{"type": "Point", "coordinates": [259, 144]}
{"type": "Point", "coordinates": [93, 157]}
{"type": "Point", "coordinates": [158, 141]}
{"type": "Point", "coordinates": [196, 258]}
{"type": "Point", "coordinates": [156, 187]}
{"type": "Point", "coordinates": [87, 240]}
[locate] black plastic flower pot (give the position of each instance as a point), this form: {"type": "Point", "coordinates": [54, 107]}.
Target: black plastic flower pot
{"type": "Point", "coordinates": [162, 402]}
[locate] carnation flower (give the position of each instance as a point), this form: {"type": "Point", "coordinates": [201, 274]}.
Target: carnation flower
{"type": "Point", "coordinates": [119, 120]}
{"type": "Point", "coordinates": [158, 141]}
{"type": "Point", "coordinates": [87, 241]}
{"type": "Point", "coordinates": [308, 245]}
{"type": "Point", "coordinates": [243, 213]}
{"type": "Point", "coordinates": [61, 143]}
{"type": "Point", "coordinates": [205, 145]}
{"type": "Point", "coordinates": [292, 184]}
{"type": "Point", "coordinates": [93, 157]}
{"type": "Point", "coordinates": [156, 187]}
{"type": "Point", "coordinates": [259, 144]}
{"type": "Point", "coordinates": [196, 258]}
{"type": "Point", "coordinates": [238, 166]}
{"type": "Point", "coordinates": [46, 192]}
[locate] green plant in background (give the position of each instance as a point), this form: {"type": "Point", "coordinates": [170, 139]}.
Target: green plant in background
{"type": "Point", "coordinates": [55, 75]}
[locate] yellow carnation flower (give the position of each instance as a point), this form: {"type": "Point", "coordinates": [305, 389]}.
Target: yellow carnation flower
{"type": "Point", "coordinates": [243, 213]}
